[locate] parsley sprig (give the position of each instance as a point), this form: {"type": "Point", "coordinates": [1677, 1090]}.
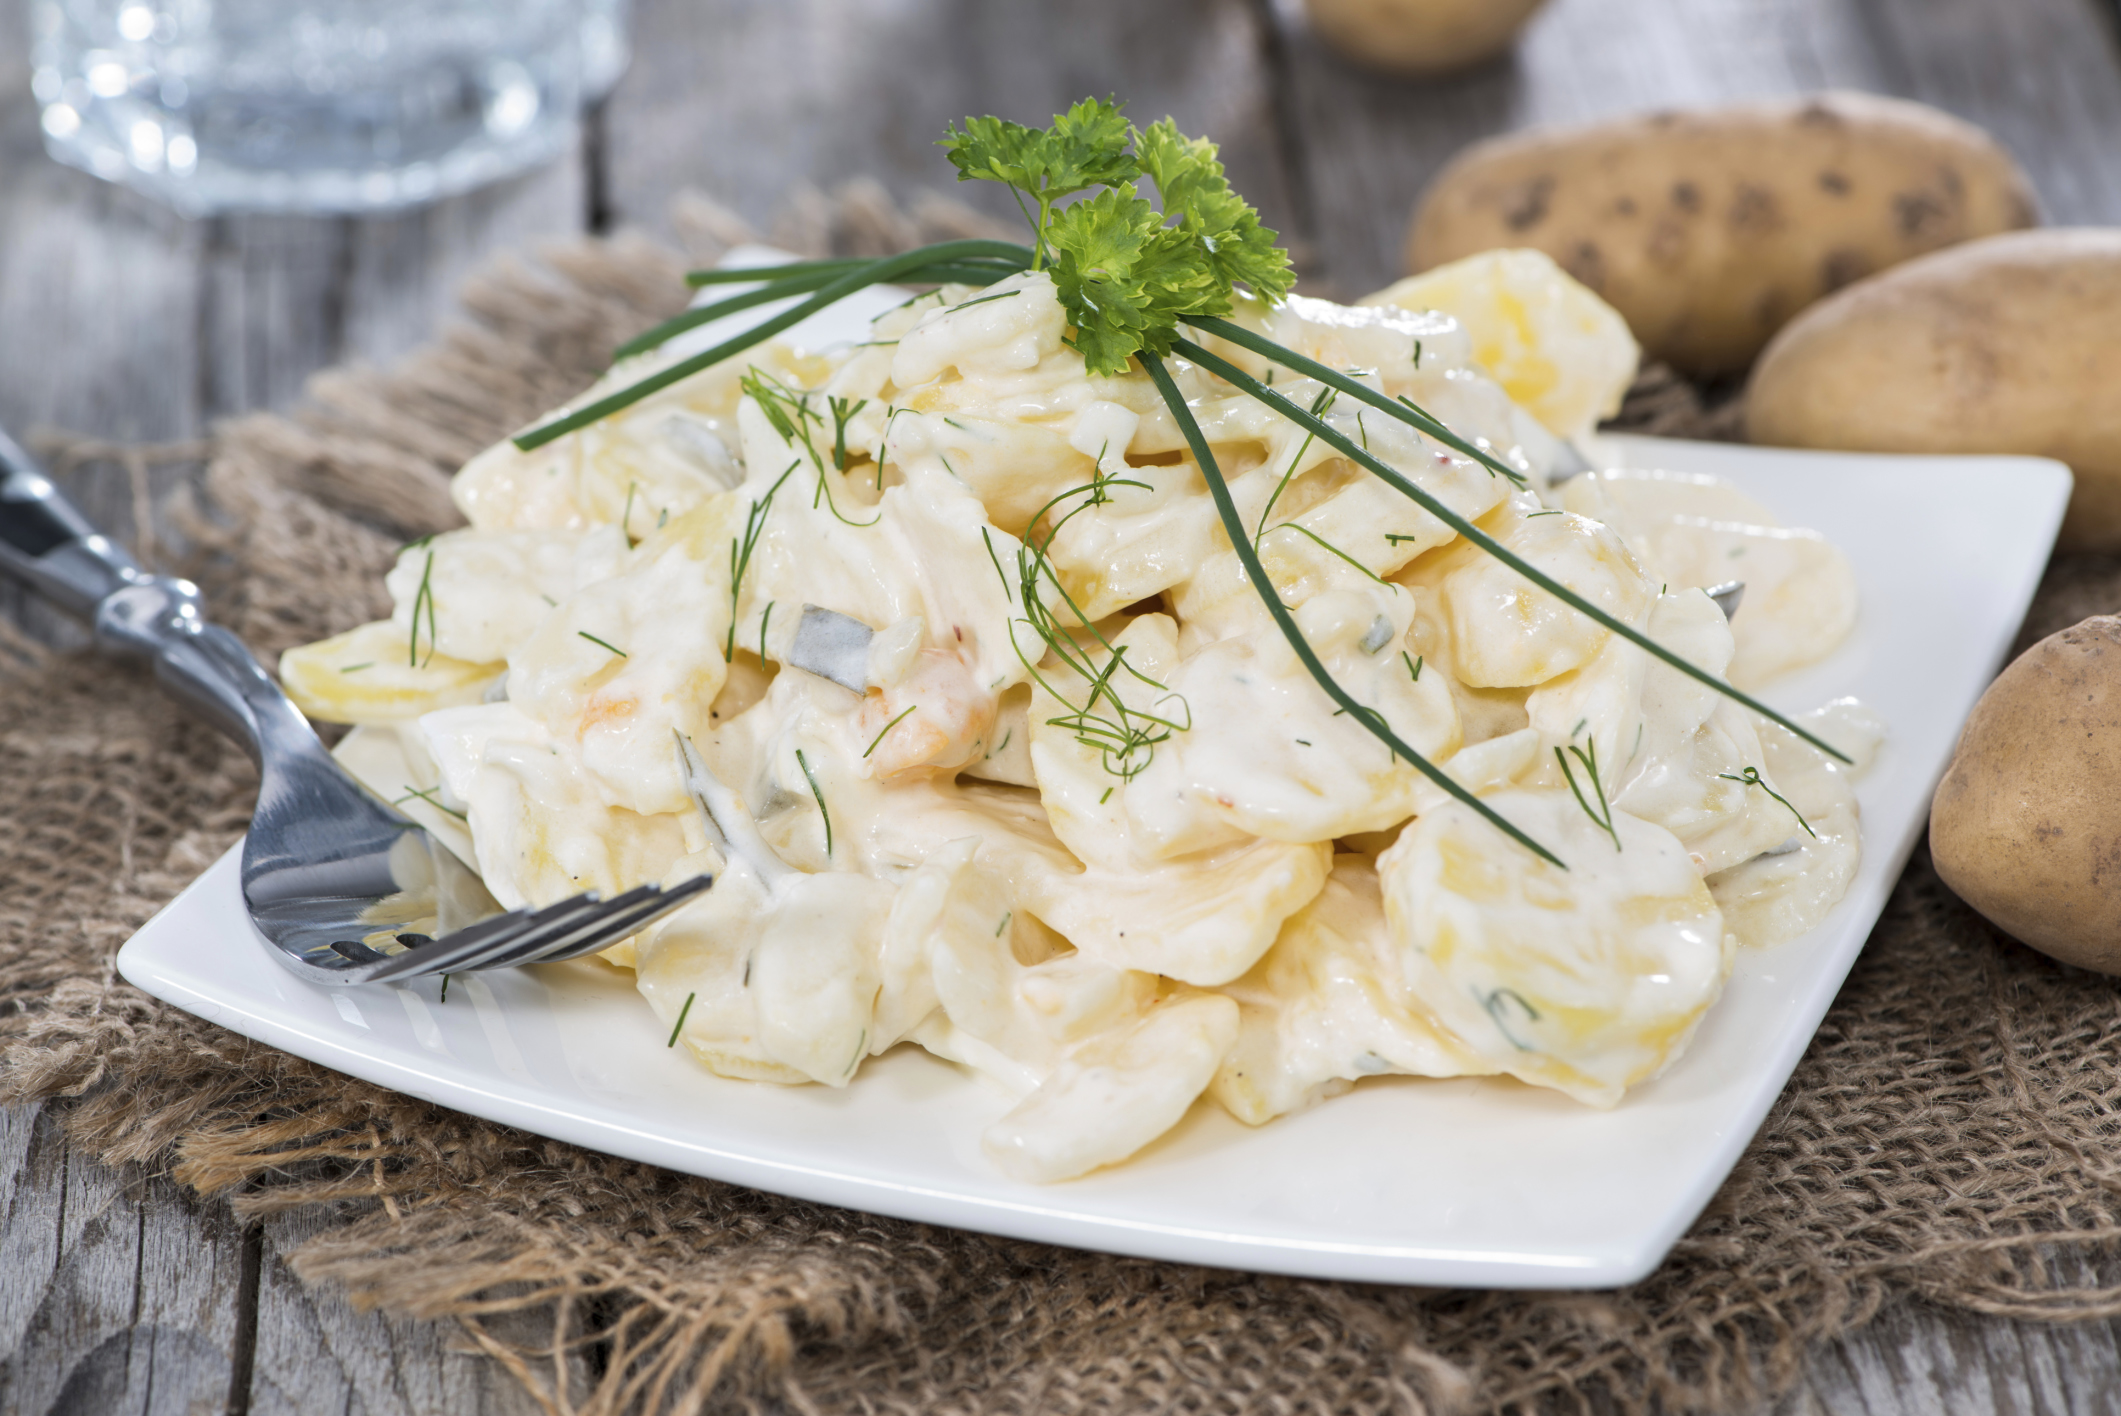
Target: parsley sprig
{"type": "Point", "coordinates": [1126, 272]}
{"type": "Point", "coordinates": [1134, 278]}
{"type": "Point", "coordinates": [1085, 147]}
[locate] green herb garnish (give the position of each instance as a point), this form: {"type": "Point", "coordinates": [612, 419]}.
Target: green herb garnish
{"type": "Point", "coordinates": [430, 796]}
{"type": "Point", "coordinates": [602, 644]}
{"type": "Point", "coordinates": [679, 1026]}
{"type": "Point", "coordinates": [1404, 409]}
{"type": "Point", "coordinates": [1226, 508]}
{"type": "Point", "coordinates": [1603, 816]}
{"type": "Point", "coordinates": [883, 448]}
{"type": "Point", "coordinates": [873, 742]}
{"type": "Point", "coordinates": [1320, 406]}
{"type": "Point", "coordinates": [841, 413]}
{"type": "Point", "coordinates": [1127, 272]}
{"type": "Point", "coordinates": [1427, 502]}
{"type": "Point", "coordinates": [1124, 737]}
{"type": "Point", "coordinates": [968, 304]}
{"type": "Point", "coordinates": [911, 265]}
{"type": "Point", "coordinates": [789, 412]}
{"type": "Point", "coordinates": [811, 777]}
{"type": "Point", "coordinates": [423, 599]}
{"type": "Point", "coordinates": [736, 275]}
{"type": "Point", "coordinates": [740, 554]}
{"type": "Point", "coordinates": [1493, 1003]}
{"type": "Point", "coordinates": [1752, 778]}
{"type": "Point", "coordinates": [1084, 148]}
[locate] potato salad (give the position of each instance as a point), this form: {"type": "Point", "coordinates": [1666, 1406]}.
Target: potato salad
{"type": "Point", "coordinates": [1061, 805]}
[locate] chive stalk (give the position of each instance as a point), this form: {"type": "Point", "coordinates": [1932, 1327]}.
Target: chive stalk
{"type": "Point", "coordinates": [1288, 408]}
{"type": "Point", "coordinates": [1226, 508]}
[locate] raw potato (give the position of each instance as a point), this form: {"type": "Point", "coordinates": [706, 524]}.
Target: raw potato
{"type": "Point", "coordinates": [2026, 825]}
{"type": "Point", "coordinates": [2003, 345]}
{"type": "Point", "coordinates": [1709, 230]}
{"type": "Point", "coordinates": [1417, 37]}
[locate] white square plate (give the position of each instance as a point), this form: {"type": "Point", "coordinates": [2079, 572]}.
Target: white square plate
{"type": "Point", "coordinates": [1478, 1182]}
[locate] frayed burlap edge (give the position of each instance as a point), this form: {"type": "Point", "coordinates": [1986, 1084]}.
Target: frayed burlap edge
{"type": "Point", "coordinates": [1949, 1137]}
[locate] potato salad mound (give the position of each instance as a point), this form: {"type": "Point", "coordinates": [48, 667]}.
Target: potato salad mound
{"type": "Point", "coordinates": [1063, 807]}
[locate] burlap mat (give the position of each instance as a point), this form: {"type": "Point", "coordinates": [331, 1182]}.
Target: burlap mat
{"type": "Point", "coordinates": [1949, 1137]}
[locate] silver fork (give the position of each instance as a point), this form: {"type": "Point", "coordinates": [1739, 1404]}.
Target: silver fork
{"type": "Point", "coordinates": [346, 889]}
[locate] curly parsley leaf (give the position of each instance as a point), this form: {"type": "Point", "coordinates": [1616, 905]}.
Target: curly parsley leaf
{"type": "Point", "coordinates": [1127, 273]}
{"type": "Point", "coordinates": [1085, 147]}
{"type": "Point", "coordinates": [1126, 279]}
{"type": "Point", "coordinates": [1193, 187]}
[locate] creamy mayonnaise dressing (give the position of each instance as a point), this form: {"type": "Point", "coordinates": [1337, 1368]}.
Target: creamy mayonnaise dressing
{"type": "Point", "coordinates": [1089, 829]}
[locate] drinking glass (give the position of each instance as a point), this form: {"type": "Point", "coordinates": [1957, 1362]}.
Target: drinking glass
{"type": "Point", "coordinates": [316, 105]}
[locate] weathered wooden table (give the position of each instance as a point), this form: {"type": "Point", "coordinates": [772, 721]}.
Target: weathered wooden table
{"type": "Point", "coordinates": [120, 1294]}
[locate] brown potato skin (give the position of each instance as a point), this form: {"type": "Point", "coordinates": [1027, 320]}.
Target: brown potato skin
{"type": "Point", "coordinates": [1710, 229]}
{"type": "Point", "coordinates": [2012, 344]}
{"type": "Point", "coordinates": [1419, 37]}
{"type": "Point", "coordinates": [2026, 825]}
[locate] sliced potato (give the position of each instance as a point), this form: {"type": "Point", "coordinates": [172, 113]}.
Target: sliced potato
{"type": "Point", "coordinates": [375, 674]}
{"type": "Point", "coordinates": [1561, 353]}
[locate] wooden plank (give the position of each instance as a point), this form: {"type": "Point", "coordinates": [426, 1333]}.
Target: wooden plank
{"type": "Point", "coordinates": [286, 296]}
{"type": "Point", "coordinates": [315, 1352]}
{"type": "Point", "coordinates": [29, 1234]}
{"type": "Point", "coordinates": [1921, 1361]}
{"type": "Point", "coordinates": [402, 272]}
{"type": "Point", "coordinates": [749, 100]}
{"type": "Point", "coordinates": [126, 1294]}
{"type": "Point", "coordinates": [137, 1311]}
{"type": "Point", "coordinates": [2041, 74]}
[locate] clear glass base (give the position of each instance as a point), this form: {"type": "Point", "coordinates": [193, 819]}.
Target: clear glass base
{"type": "Point", "coordinates": [348, 106]}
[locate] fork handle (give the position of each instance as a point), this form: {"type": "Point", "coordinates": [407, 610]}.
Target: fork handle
{"type": "Point", "coordinates": [46, 543]}
{"type": "Point", "coordinates": [49, 545]}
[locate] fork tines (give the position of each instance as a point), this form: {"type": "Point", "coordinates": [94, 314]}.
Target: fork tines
{"type": "Point", "coordinates": [565, 930]}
